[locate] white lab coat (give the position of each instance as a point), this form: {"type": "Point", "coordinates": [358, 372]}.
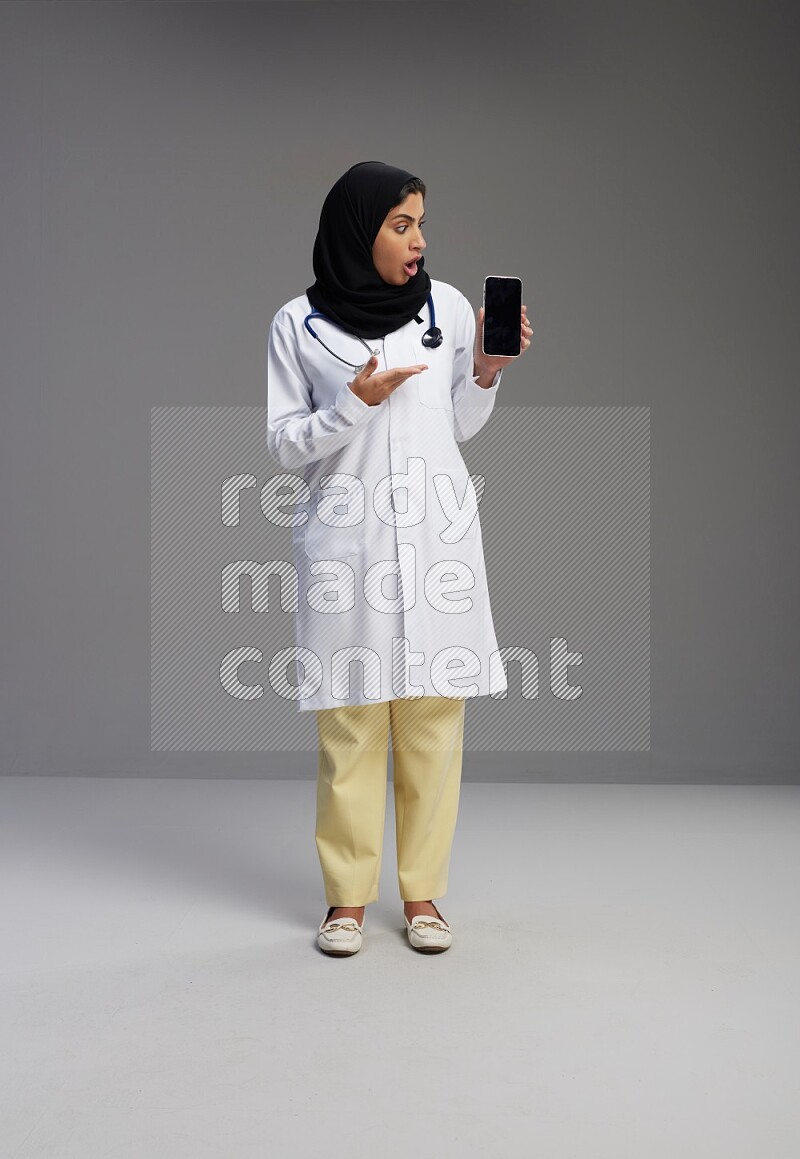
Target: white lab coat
{"type": "Point", "coordinates": [422, 623]}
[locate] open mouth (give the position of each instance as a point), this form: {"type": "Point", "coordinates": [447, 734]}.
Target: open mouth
{"type": "Point", "coordinates": [410, 268]}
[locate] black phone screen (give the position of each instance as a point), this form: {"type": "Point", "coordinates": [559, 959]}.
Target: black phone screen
{"type": "Point", "coordinates": [502, 319]}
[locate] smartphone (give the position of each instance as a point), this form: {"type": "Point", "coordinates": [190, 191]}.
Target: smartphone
{"type": "Point", "coordinates": [502, 318]}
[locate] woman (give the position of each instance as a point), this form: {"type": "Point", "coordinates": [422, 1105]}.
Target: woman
{"type": "Point", "coordinates": [369, 407]}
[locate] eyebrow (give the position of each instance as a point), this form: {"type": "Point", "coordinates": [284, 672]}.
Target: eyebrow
{"type": "Point", "coordinates": [407, 216]}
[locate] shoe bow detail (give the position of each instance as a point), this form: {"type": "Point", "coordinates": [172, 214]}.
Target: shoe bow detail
{"type": "Point", "coordinates": [351, 926]}
{"type": "Point", "coordinates": [433, 924]}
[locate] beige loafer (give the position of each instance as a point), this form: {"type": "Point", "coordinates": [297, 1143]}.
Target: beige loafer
{"type": "Point", "coordinates": [339, 937]}
{"type": "Point", "coordinates": [428, 934]}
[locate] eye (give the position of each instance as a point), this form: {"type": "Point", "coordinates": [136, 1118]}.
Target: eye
{"type": "Point", "coordinates": [403, 228]}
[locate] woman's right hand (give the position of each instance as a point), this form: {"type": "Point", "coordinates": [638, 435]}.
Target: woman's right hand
{"type": "Point", "coordinates": [373, 387]}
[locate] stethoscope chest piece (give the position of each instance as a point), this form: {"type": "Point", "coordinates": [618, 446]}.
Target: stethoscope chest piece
{"type": "Point", "coordinates": [432, 338]}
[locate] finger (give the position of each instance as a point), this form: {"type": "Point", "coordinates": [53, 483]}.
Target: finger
{"type": "Point", "coordinates": [401, 373]}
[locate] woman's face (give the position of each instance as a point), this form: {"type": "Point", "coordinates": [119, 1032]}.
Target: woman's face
{"type": "Point", "coordinates": [400, 241]}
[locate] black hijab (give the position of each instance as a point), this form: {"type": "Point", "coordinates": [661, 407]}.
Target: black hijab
{"type": "Point", "coordinates": [349, 290]}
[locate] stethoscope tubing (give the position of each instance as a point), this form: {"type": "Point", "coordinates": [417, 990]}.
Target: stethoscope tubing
{"type": "Point", "coordinates": [432, 337]}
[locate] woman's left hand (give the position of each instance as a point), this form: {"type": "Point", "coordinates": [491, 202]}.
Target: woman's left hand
{"type": "Point", "coordinates": [487, 366]}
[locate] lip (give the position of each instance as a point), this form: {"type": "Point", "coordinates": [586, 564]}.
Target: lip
{"type": "Point", "coordinates": [413, 262]}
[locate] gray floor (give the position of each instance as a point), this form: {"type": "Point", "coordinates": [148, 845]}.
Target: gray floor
{"type": "Point", "coordinates": [623, 980]}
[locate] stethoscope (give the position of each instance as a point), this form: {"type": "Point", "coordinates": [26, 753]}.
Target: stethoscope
{"type": "Point", "coordinates": [432, 337]}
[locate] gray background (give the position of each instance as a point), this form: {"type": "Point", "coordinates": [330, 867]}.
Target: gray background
{"type": "Point", "coordinates": [164, 167]}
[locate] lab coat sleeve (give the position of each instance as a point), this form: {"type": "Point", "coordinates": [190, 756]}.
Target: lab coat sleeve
{"type": "Point", "coordinates": [472, 404]}
{"type": "Point", "coordinates": [296, 434]}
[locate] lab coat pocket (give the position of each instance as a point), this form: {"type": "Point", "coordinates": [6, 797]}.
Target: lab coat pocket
{"type": "Point", "coordinates": [323, 541]}
{"type": "Point", "coordinates": [435, 383]}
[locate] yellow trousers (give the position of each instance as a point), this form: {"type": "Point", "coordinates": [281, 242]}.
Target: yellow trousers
{"type": "Point", "coordinates": [427, 746]}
